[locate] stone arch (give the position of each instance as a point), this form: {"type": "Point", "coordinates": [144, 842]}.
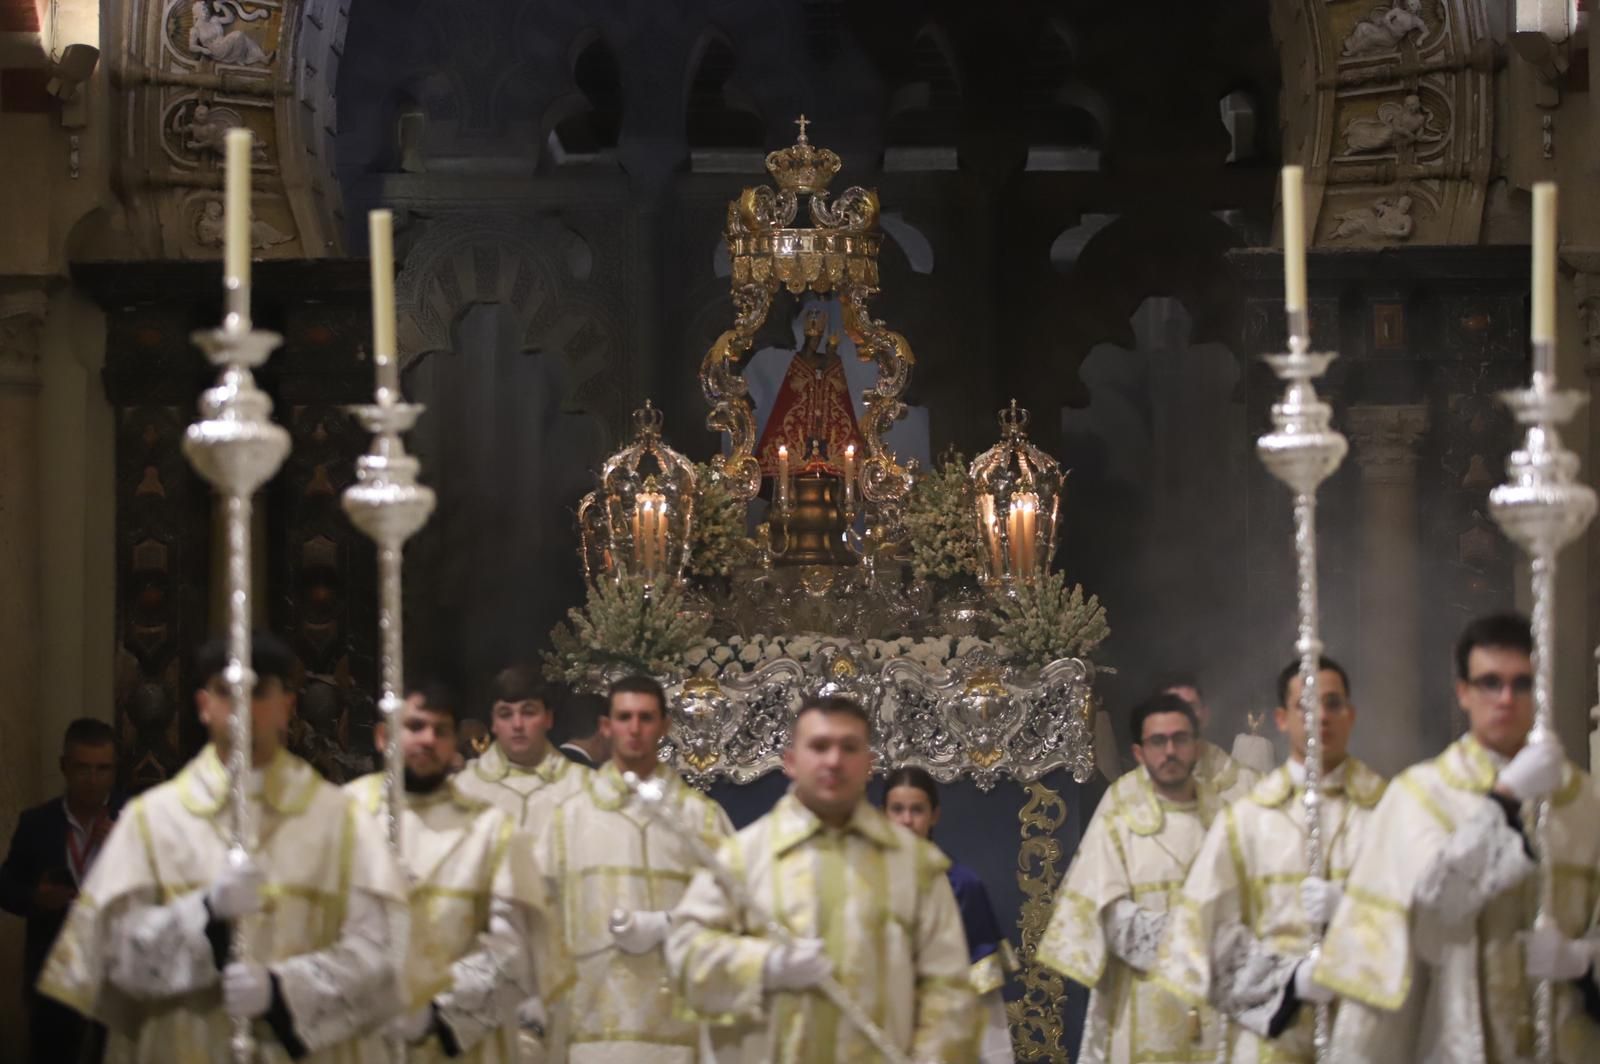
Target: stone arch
{"type": "Point", "coordinates": [531, 267]}
{"type": "Point", "coordinates": [719, 112]}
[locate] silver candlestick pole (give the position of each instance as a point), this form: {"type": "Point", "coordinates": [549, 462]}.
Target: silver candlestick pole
{"type": "Point", "coordinates": [1543, 507]}
{"type": "Point", "coordinates": [1302, 450]}
{"type": "Point", "coordinates": [237, 448]}
{"type": "Point", "coordinates": [389, 506]}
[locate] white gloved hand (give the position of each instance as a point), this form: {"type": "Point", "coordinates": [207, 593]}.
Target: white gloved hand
{"type": "Point", "coordinates": [1535, 772]}
{"type": "Point", "coordinates": [799, 966]}
{"type": "Point", "coordinates": [246, 990]}
{"type": "Point", "coordinates": [640, 932]}
{"type": "Point", "coordinates": [1319, 898]}
{"type": "Point", "coordinates": [236, 891]}
{"type": "Point", "coordinates": [1548, 954]}
{"type": "Point", "coordinates": [532, 1017]}
{"type": "Point", "coordinates": [414, 1026]}
{"type": "Point", "coordinates": [1308, 989]}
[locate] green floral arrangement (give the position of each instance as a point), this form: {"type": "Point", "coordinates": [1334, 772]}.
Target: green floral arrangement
{"type": "Point", "coordinates": [941, 522]}
{"type": "Point", "coordinates": [717, 541]}
{"type": "Point", "coordinates": [621, 626]}
{"type": "Point", "coordinates": [1046, 620]}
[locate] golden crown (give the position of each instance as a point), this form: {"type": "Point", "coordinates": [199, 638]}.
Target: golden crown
{"type": "Point", "coordinates": [803, 168]}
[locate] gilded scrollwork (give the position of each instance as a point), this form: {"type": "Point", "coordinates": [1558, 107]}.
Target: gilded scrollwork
{"type": "Point", "coordinates": [1037, 1031]}
{"type": "Point", "coordinates": [837, 254]}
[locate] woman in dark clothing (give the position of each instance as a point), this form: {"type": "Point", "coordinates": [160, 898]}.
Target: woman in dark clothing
{"type": "Point", "coordinates": [911, 799]}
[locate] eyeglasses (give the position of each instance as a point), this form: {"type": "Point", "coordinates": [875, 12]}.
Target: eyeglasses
{"type": "Point", "coordinates": [1492, 684]}
{"type": "Point", "coordinates": [1178, 741]}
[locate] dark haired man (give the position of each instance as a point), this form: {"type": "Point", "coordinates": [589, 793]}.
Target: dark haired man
{"type": "Point", "coordinates": [578, 721]}
{"type": "Point", "coordinates": [617, 873]}
{"type": "Point", "coordinates": [480, 927]}
{"type": "Point", "coordinates": [146, 948]}
{"type": "Point", "coordinates": [1239, 937]}
{"type": "Point", "coordinates": [51, 853]}
{"type": "Point", "coordinates": [517, 773]}
{"type": "Point", "coordinates": [1112, 909]}
{"type": "Point", "coordinates": [1228, 777]}
{"type": "Point", "coordinates": [1433, 947]}
{"type": "Point", "coordinates": [869, 900]}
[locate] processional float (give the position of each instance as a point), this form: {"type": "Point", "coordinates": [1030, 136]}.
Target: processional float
{"type": "Point", "coordinates": [833, 524]}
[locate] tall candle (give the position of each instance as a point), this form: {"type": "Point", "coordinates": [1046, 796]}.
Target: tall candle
{"type": "Point", "coordinates": [1544, 276]}
{"type": "Point", "coordinates": [1019, 529]}
{"type": "Point", "coordinates": [380, 236]}
{"type": "Point", "coordinates": [638, 535]}
{"type": "Point", "coordinates": [1294, 238]}
{"type": "Point", "coordinates": [236, 205]}
{"type": "Point", "coordinates": [849, 475]}
{"type": "Point", "coordinates": [991, 534]}
{"type": "Point", "coordinates": [780, 489]}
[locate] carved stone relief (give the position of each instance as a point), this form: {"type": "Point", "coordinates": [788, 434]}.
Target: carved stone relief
{"type": "Point", "coordinates": [1391, 109]}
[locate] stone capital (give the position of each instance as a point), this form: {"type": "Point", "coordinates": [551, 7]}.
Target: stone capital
{"type": "Point", "coordinates": [1386, 437]}
{"type": "Point", "coordinates": [22, 313]}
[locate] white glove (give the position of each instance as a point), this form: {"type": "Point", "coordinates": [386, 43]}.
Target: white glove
{"type": "Point", "coordinates": [796, 967]}
{"type": "Point", "coordinates": [1551, 955]}
{"type": "Point", "coordinates": [1535, 772]}
{"type": "Point", "coordinates": [246, 990]}
{"type": "Point", "coordinates": [1319, 898]}
{"type": "Point", "coordinates": [414, 1026]}
{"type": "Point", "coordinates": [237, 891]}
{"type": "Point", "coordinates": [1308, 989]}
{"type": "Point", "coordinates": [639, 932]}
{"type": "Point", "coordinates": [532, 1017]}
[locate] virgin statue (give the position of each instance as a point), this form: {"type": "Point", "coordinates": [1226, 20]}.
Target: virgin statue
{"type": "Point", "coordinates": [812, 415]}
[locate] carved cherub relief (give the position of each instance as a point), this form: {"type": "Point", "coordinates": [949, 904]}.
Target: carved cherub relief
{"type": "Point", "coordinates": [1385, 28]}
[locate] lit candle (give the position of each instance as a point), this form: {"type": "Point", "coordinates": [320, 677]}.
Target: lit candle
{"type": "Point", "coordinates": [638, 533]}
{"type": "Point", "coordinates": [780, 489]}
{"type": "Point", "coordinates": [380, 237]}
{"type": "Point", "coordinates": [1544, 276]}
{"type": "Point", "coordinates": [644, 545]}
{"type": "Point", "coordinates": [1294, 238]}
{"type": "Point", "coordinates": [849, 476]}
{"type": "Point", "coordinates": [661, 531]}
{"type": "Point", "coordinates": [236, 204]}
{"type": "Point", "coordinates": [989, 529]}
{"type": "Point", "coordinates": [1019, 530]}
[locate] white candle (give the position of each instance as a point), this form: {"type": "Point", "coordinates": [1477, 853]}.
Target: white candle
{"type": "Point", "coordinates": [1019, 530]}
{"type": "Point", "coordinates": [780, 489]}
{"type": "Point", "coordinates": [849, 475]}
{"type": "Point", "coordinates": [236, 206]}
{"type": "Point", "coordinates": [380, 237]}
{"type": "Point", "coordinates": [1544, 275]}
{"type": "Point", "coordinates": [1294, 238]}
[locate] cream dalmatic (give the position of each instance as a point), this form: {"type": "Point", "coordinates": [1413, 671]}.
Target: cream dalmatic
{"type": "Point", "coordinates": [521, 792]}
{"type": "Point", "coordinates": [139, 950]}
{"type": "Point", "coordinates": [1228, 778]}
{"type": "Point", "coordinates": [1238, 930]}
{"type": "Point", "coordinates": [481, 941]}
{"type": "Point", "coordinates": [602, 852]}
{"type": "Point", "coordinates": [879, 899]}
{"type": "Point", "coordinates": [1110, 914]}
{"type": "Point", "coordinates": [1425, 947]}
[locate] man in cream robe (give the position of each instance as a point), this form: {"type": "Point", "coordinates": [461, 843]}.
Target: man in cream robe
{"type": "Point", "coordinates": [1430, 947]}
{"type": "Point", "coordinates": [604, 854]}
{"type": "Point", "coordinates": [1112, 909]}
{"type": "Point", "coordinates": [521, 772]}
{"type": "Point", "coordinates": [868, 902]}
{"type": "Point", "coordinates": [1239, 932]}
{"type": "Point", "coordinates": [1229, 779]}
{"type": "Point", "coordinates": [145, 948]}
{"type": "Point", "coordinates": [479, 920]}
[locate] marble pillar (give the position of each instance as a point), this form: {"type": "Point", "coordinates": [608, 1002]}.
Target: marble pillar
{"type": "Point", "coordinates": [22, 313]}
{"type": "Point", "coordinates": [1387, 677]}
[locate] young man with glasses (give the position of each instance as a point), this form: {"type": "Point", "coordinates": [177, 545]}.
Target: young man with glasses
{"type": "Point", "coordinates": [1433, 947]}
{"type": "Point", "coordinates": [1113, 907]}
{"type": "Point", "coordinates": [1239, 938]}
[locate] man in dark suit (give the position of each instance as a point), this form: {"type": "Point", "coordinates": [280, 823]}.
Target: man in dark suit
{"type": "Point", "coordinates": [578, 724]}
{"type": "Point", "coordinates": [54, 845]}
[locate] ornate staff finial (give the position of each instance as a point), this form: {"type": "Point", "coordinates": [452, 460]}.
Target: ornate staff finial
{"type": "Point", "coordinates": [802, 122]}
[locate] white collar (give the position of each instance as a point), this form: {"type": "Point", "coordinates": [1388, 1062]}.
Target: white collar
{"type": "Point", "coordinates": [1330, 780]}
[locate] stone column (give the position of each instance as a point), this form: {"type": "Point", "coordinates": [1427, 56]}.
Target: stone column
{"type": "Point", "coordinates": [1387, 677]}
{"type": "Point", "coordinates": [1585, 264]}
{"type": "Point", "coordinates": [22, 311]}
